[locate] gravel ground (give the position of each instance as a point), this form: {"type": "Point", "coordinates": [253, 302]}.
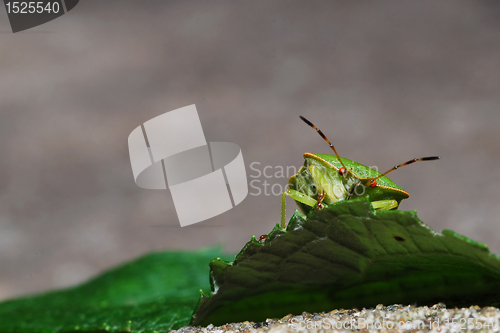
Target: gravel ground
{"type": "Point", "coordinates": [380, 319]}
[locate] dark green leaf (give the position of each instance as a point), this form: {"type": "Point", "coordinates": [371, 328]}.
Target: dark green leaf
{"type": "Point", "coordinates": [157, 292]}
{"type": "Point", "coordinates": [345, 256]}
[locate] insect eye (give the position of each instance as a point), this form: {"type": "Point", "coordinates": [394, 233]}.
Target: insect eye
{"type": "Point", "coordinates": [373, 183]}
{"type": "Point", "coordinates": [262, 238]}
{"type": "Point", "coordinates": [342, 171]}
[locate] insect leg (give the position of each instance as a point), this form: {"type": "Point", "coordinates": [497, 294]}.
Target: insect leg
{"type": "Point", "coordinates": [321, 196]}
{"type": "Point", "coordinates": [384, 204]}
{"type": "Point", "coordinates": [297, 196]}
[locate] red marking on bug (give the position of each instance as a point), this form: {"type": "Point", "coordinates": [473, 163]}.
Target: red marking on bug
{"type": "Point", "coordinates": [342, 171]}
{"type": "Point", "coordinates": [262, 238]}
{"type": "Point", "coordinates": [373, 183]}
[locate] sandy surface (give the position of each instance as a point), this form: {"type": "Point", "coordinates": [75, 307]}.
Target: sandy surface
{"type": "Point", "coordinates": [394, 318]}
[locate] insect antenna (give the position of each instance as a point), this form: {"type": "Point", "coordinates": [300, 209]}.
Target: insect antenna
{"type": "Point", "coordinates": [342, 170]}
{"type": "Point", "coordinates": [373, 181]}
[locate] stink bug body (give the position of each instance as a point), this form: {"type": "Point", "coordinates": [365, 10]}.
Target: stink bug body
{"type": "Point", "coordinates": [325, 179]}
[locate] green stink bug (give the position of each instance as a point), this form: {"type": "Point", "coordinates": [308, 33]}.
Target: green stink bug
{"type": "Point", "coordinates": [325, 179]}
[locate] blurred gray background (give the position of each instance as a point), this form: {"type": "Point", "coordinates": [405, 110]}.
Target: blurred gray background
{"type": "Point", "coordinates": [386, 81]}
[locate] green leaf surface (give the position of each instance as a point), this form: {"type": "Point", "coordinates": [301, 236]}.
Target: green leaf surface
{"type": "Point", "coordinates": [157, 292]}
{"type": "Point", "coordinates": [344, 256]}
